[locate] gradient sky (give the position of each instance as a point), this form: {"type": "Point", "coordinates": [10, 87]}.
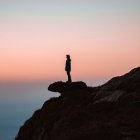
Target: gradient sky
{"type": "Point", "coordinates": [102, 37]}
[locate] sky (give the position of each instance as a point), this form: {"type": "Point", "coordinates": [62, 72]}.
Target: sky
{"type": "Point", "coordinates": [102, 37]}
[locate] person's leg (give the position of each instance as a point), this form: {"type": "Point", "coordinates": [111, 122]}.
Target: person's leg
{"type": "Point", "coordinates": [69, 76]}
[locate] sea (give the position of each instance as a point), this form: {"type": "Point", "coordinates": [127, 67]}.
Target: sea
{"type": "Point", "coordinates": [18, 102]}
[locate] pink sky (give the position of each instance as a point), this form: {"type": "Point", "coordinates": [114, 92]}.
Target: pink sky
{"type": "Point", "coordinates": [102, 43]}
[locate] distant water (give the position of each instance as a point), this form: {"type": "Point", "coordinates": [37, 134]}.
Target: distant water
{"type": "Point", "coordinates": [18, 101]}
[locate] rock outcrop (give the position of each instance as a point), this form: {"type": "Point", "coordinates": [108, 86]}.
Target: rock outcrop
{"type": "Point", "coordinates": [107, 112]}
{"type": "Point", "coordinates": [63, 87]}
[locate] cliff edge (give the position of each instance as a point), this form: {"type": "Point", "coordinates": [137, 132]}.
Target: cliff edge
{"type": "Point", "coordinates": [107, 112]}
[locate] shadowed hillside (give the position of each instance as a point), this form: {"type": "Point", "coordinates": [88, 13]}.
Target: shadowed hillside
{"type": "Point", "coordinates": [107, 112]}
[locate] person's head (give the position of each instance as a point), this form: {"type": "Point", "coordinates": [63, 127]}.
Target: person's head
{"type": "Point", "coordinates": [68, 56]}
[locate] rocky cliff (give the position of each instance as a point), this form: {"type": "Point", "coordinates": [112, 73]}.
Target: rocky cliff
{"type": "Point", "coordinates": [107, 112]}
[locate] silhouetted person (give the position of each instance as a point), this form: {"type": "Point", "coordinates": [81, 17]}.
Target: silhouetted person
{"type": "Point", "coordinates": [68, 67]}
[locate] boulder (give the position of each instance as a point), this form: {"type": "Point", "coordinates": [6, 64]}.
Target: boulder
{"type": "Point", "coordinates": [62, 87]}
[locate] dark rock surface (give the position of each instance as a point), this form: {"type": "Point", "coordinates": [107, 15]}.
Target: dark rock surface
{"type": "Point", "coordinates": [63, 87]}
{"type": "Point", "coordinates": [107, 112]}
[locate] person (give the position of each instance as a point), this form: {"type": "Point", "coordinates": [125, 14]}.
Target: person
{"type": "Point", "coordinates": [68, 68]}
